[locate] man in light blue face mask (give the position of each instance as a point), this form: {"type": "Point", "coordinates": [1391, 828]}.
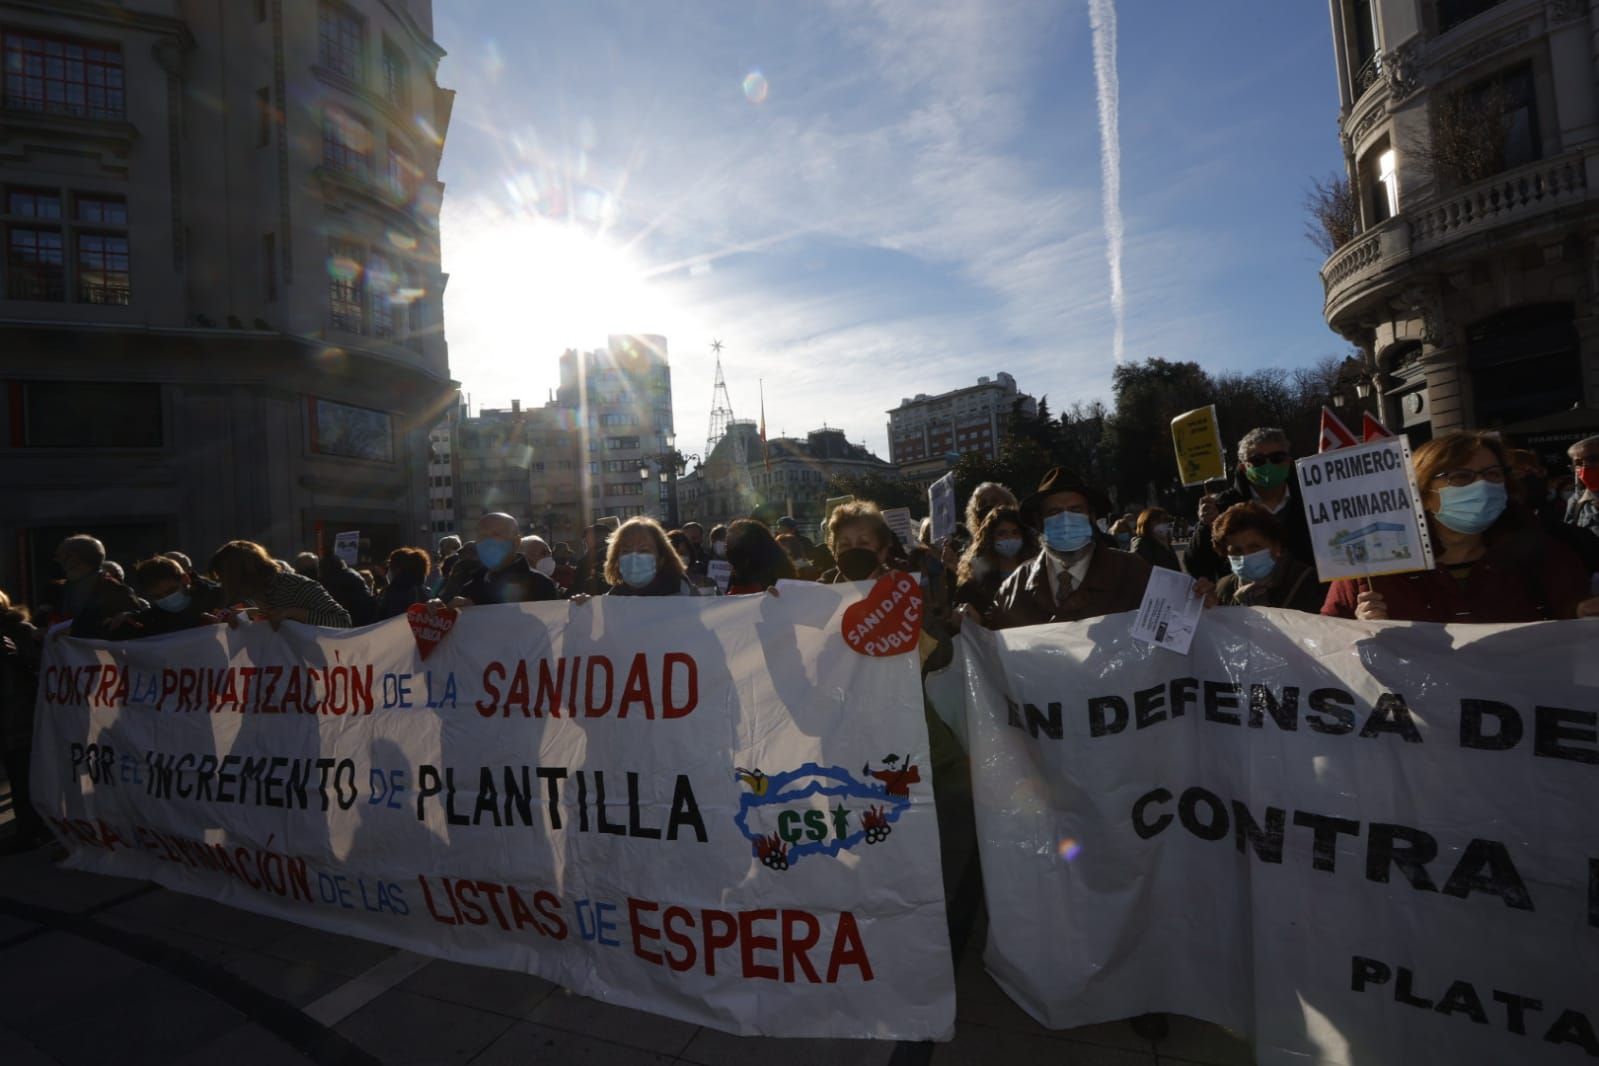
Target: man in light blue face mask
{"type": "Point", "coordinates": [1075, 576]}
{"type": "Point", "coordinates": [506, 576]}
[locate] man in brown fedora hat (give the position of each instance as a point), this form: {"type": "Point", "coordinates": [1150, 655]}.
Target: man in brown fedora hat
{"type": "Point", "coordinates": [1077, 575]}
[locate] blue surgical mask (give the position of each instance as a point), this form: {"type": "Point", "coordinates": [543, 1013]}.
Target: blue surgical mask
{"type": "Point", "coordinates": [174, 602]}
{"type": "Point", "coordinates": [1470, 508]}
{"type": "Point", "coordinates": [1009, 547]}
{"type": "Point", "coordinates": [491, 553]}
{"type": "Point", "coordinates": [1068, 531]}
{"type": "Point", "coordinates": [1256, 566]}
{"type": "Point", "coordinates": [638, 568]}
{"type": "Point", "coordinates": [1123, 540]}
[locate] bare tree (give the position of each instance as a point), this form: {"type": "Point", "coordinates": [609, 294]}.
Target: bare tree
{"type": "Point", "coordinates": [1334, 212]}
{"type": "Point", "coordinates": [1467, 133]}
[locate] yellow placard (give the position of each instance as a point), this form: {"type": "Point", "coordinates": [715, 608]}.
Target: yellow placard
{"type": "Point", "coordinates": [1196, 436]}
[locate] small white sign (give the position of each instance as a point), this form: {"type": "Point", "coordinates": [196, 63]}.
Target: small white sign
{"type": "Point", "coordinates": [1364, 512]}
{"type": "Point", "coordinates": [941, 501]}
{"type": "Point", "coordinates": [347, 546]}
{"type": "Point", "coordinates": [1170, 612]}
{"type": "Point", "coordinates": [904, 526]}
{"type": "Point", "coordinates": [719, 571]}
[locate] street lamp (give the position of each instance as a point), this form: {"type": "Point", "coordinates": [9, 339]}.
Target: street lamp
{"type": "Point", "coordinates": [668, 466]}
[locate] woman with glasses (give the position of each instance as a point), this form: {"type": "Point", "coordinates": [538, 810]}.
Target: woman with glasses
{"type": "Point", "coordinates": [1492, 562]}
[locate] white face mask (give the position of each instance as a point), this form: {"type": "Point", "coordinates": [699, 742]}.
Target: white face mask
{"type": "Point", "coordinates": [545, 566]}
{"type": "Point", "coordinates": [1163, 530]}
{"type": "Point", "coordinates": [719, 549]}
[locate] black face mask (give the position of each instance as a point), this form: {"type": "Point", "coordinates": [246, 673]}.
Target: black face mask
{"type": "Point", "coordinates": [857, 564]}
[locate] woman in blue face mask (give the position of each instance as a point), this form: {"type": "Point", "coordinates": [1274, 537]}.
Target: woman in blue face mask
{"type": "Point", "coordinates": [641, 562]}
{"type": "Point", "coordinates": [1493, 564]}
{"type": "Point", "coordinates": [1003, 544]}
{"type": "Point", "coordinates": [1261, 574]}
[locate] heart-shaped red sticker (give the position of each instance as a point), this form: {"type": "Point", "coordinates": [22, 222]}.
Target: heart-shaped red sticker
{"type": "Point", "coordinates": [429, 625]}
{"type": "Point", "coordinates": [889, 620]}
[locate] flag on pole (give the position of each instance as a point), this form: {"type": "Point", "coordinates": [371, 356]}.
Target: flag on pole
{"type": "Point", "coordinates": [766, 456]}
{"type": "Point", "coordinates": [1334, 434]}
{"type": "Point", "coordinates": [1371, 429]}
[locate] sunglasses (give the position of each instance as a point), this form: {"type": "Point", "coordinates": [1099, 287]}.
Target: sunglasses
{"type": "Point", "coordinates": [1269, 457]}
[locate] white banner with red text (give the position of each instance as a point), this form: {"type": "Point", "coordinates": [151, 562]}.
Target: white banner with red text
{"type": "Point", "coordinates": [711, 809]}
{"type": "Point", "coordinates": [1355, 842]}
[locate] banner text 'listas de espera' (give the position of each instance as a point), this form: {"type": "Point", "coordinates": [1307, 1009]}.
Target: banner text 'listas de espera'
{"type": "Point", "coordinates": [676, 805]}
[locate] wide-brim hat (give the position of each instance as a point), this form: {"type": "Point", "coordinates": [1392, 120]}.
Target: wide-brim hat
{"type": "Point", "coordinates": [1060, 479]}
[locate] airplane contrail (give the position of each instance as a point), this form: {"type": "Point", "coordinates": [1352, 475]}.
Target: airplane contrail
{"type": "Point", "coordinates": [1102, 17]}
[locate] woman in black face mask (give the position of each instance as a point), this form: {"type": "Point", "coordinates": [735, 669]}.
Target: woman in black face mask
{"type": "Point", "coordinates": [860, 542]}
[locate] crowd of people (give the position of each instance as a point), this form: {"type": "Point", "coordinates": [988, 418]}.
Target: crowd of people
{"type": "Point", "coordinates": [1513, 543]}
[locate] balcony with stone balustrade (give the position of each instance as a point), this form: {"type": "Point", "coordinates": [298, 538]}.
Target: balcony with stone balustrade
{"type": "Point", "coordinates": [1530, 197]}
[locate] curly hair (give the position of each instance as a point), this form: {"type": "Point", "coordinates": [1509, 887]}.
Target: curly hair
{"type": "Point", "coordinates": [666, 558]}
{"type": "Point", "coordinates": [858, 512]}
{"type": "Point", "coordinates": [982, 546]}
{"type": "Point", "coordinates": [409, 565]}
{"type": "Point", "coordinates": [987, 488]}
{"type": "Point", "coordinates": [1245, 518]}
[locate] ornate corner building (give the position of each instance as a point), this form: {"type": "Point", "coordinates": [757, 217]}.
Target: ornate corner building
{"type": "Point", "coordinates": [1470, 130]}
{"type": "Point", "coordinates": [220, 293]}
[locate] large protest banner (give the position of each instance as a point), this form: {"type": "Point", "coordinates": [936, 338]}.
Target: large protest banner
{"type": "Point", "coordinates": [706, 808]}
{"type": "Point", "coordinates": [1357, 842]}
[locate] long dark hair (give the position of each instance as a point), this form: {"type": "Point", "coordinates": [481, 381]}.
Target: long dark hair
{"type": "Point", "coordinates": [755, 555]}
{"type": "Point", "coordinates": [982, 551]}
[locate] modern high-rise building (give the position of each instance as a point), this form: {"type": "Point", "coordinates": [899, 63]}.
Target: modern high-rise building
{"type": "Point", "coordinates": [220, 297]}
{"type": "Point", "coordinates": [582, 455]}
{"type": "Point", "coordinates": [925, 431]}
{"type": "Point", "coordinates": [623, 394]}
{"type": "Point", "coordinates": [1470, 228]}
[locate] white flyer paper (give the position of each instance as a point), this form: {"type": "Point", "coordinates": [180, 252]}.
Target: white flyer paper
{"type": "Point", "coordinates": [1170, 612]}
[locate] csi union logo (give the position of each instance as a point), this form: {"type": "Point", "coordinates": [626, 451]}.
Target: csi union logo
{"type": "Point", "coordinates": [821, 810]}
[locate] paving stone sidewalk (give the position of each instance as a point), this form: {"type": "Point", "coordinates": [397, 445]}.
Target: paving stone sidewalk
{"type": "Point", "coordinates": [98, 969]}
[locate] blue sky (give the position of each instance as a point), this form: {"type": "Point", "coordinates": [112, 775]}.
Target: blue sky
{"type": "Point", "coordinates": [914, 199]}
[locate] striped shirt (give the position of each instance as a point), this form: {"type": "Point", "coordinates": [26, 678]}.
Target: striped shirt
{"type": "Point", "coordinates": [292, 590]}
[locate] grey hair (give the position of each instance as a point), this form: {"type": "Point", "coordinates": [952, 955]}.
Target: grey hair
{"type": "Point", "coordinates": [1582, 446]}
{"type": "Point", "coordinates": [1258, 436]}
{"type": "Point", "coordinates": [84, 548]}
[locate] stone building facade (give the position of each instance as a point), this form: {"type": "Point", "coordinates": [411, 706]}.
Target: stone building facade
{"type": "Point", "coordinates": [221, 293]}
{"type": "Point", "coordinates": [579, 457]}
{"type": "Point", "coordinates": [924, 431]}
{"type": "Point", "coordinates": [1470, 131]}
{"type": "Point", "coordinates": [786, 476]}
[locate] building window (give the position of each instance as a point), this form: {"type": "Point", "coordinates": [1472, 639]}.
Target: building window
{"type": "Point", "coordinates": [35, 264]}
{"type": "Point", "coordinates": [269, 267]}
{"type": "Point", "coordinates": [1452, 13]}
{"type": "Point", "coordinates": [63, 77]}
{"type": "Point", "coordinates": [89, 414]}
{"type": "Point", "coordinates": [33, 203]}
{"type": "Point", "coordinates": [263, 117]}
{"type": "Point", "coordinates": [380, 284]}
{"type": "Point", "coordinates": [342, 41]}
{"type": "Point", "coordinates": [396, 86]}
{"type": "Point", "coordinates": [102, 210]}
{"type": "Point", "coordinates": [346, 291]}
{"type": "Point", "coordinates": [346, 144]}
{"type": "Point", "coordinates": [401, 175]}
{"type": "Point", "coordinates": [104, 273]}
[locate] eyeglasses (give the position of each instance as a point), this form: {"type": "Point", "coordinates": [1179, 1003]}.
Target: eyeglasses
{"type": "Point", "coordinates": [1269, 457]}
{"type": "Point", "coordinates": [1494, 475]}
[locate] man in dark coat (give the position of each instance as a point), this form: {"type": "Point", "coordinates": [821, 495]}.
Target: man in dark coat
{"type": "Point", "coordinates": [1076, 576]}
{"type": "Point", "coordinates": [90, 597]}
{"type": "Point", "coordinates": [349, 589]}
{"type": "Point", "coordinates": [505, 577]}
{"type": "Point", "coordinates": [1265, 475]}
